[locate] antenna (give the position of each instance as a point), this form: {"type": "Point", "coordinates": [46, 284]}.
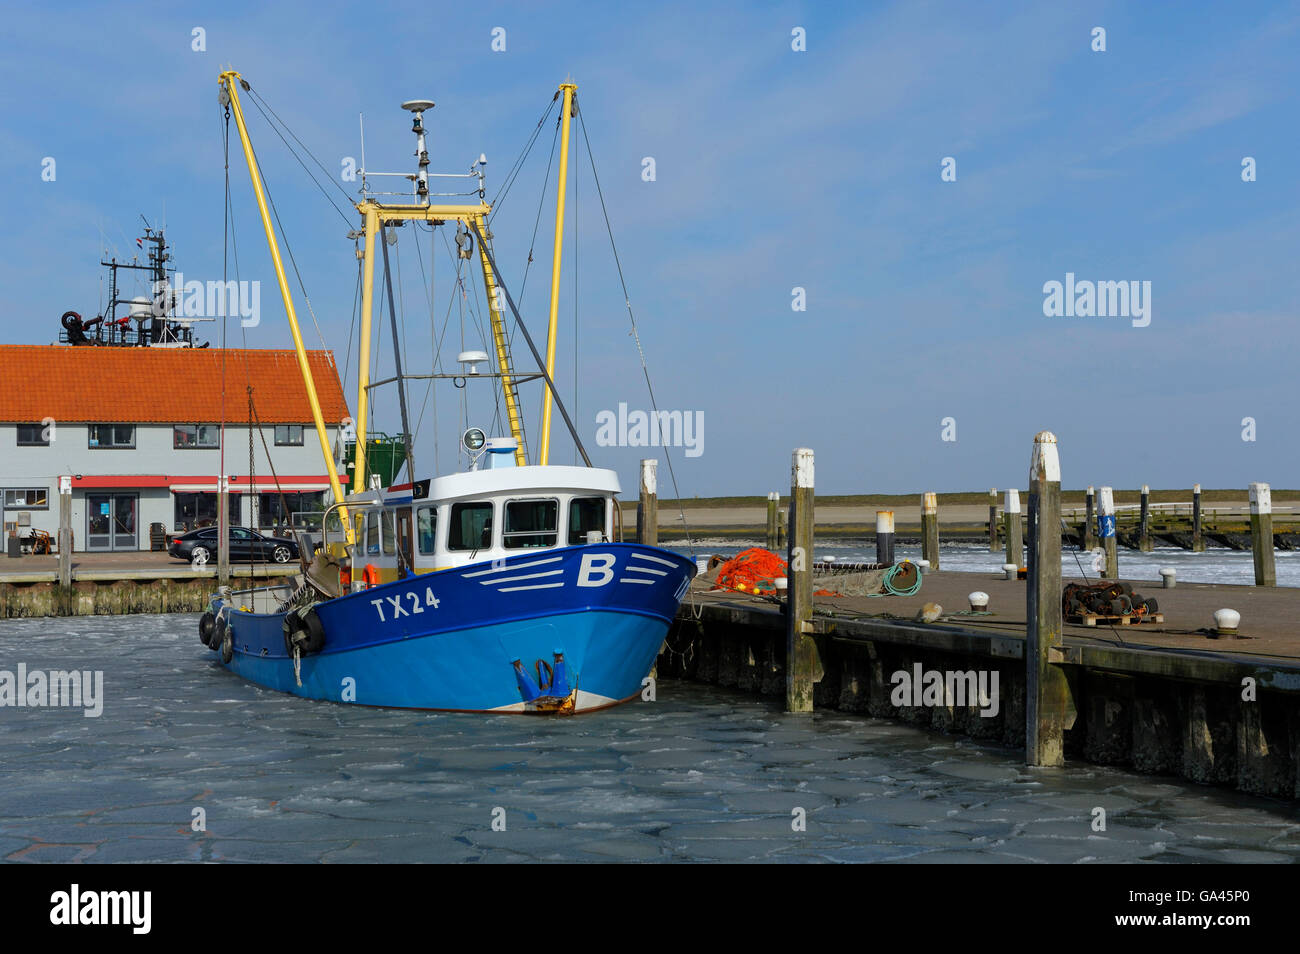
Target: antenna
{"type": "Point", "coordinates": [417, 107]}
{"type": "Point", "coordinates": [361, 118]}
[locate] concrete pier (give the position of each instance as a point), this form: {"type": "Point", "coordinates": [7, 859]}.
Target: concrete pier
{"type": "Point", "coordinates": [1167, 700]}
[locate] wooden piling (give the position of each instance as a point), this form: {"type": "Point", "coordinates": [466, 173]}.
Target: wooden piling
{"type": "Point", "coordinates": [223, 530]}
{"type": "Point", "coordinates": [1106, 530]}
{"type": "Point", "coordinates": [1047, 693]}
{"type": "Point", "coordinates": [773, 499]}
{"type": "Point", "coordinates": [993, 520]}
{"type": "Point", "coordinates": [801, 660]}
{"type": "Point", "coordinates": [1089, 514]}
{"type": "Point", "coordinates": [780, 529]}
{"type": "Point", "coordinates": [1013, 533]}
{"type": "Point", "coordinates": [1261, 534]}
{"type": "Point", "coordinates": [885, 537]}
{"type": "Point", "coordinates": [930, 529]}
{"type": "Point", "coordinates": [65, 532]}
{"type": "Point", "coordinates": [1198, 536]}
{"type": "Point", "coordinates": [1144, 521]}
{"type": "Point", "coordinates": [647, 508]}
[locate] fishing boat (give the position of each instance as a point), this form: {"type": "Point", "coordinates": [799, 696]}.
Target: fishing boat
{"type": "Point", "coordinates": [500, 588]}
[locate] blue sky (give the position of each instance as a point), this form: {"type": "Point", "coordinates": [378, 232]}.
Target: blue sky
{"type": "Point", "coordinates": [775, 169]}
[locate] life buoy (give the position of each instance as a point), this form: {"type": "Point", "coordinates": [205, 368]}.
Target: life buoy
{"type": "Point", "coordinates": [370, 575]}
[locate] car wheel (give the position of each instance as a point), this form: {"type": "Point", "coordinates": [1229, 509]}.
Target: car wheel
{"type": "Point", "coordinates": [281, 554]}
{"type": "Point", "coordinates": [200, 556]}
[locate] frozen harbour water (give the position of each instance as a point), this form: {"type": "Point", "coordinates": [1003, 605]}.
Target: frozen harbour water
{"type": "Point", "coordinates": [700, 774]}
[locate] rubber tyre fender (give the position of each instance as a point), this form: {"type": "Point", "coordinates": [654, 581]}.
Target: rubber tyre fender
{"type": "Point", "coordinates": [207, 625]}
{"type": "Point", "coordinates": [227, 647]}
{"type": "Point", "coordinates": [218, 633]}
{"type": "Point", "coordinates": [315, 632]}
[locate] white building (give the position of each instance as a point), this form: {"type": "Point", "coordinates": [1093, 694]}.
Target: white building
{"type": "Point", "coordinates": [140, 431]}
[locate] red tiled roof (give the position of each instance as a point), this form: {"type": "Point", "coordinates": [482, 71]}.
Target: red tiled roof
{"type": "Point", "coordinates": [130, 385]}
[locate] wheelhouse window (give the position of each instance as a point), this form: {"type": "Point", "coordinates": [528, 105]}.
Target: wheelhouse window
{"type": "Point", "coordinates": [471, 526]}
{"type": "Point", "coordinates": [390, 533]}
{"type": "Point", "coordinates": [27, 498]}
{"type": "Point", "coordinates": [111, 436]}
{"type": "Point", "coordinates": [288, 435]}
{"type": "Point", "coordinates": [426, 529]}
{"type": "Point", "coordinates": [196, 436]}
{"type": "Point", "coordinates": [33, 435]}
{"type": "Point", "coordinates": [585, 514]}
{"type": "Point", "coordinates": [530, 523]}
{"type": "Point", "coordinates": [372, 532]}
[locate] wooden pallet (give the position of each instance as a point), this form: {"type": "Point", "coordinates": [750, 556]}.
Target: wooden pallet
{"type": "Point", "coordinates": [1092, 619]}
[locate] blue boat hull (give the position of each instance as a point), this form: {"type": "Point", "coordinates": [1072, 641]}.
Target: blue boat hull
{"type": "Point", "coordinates": [571, 630]}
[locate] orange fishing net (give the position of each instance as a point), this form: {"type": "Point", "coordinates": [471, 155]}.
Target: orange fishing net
{"type": "Point", "coordinates": [754, 571]}
{"type": "Point", "coordinates": [750, 571]}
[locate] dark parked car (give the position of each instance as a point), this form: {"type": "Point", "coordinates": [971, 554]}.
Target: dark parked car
{"type": "Point", "coordinates": [200, 546]}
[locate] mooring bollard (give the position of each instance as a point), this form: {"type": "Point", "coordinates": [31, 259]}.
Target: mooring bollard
{"type": "Point", "coordinates": [773, 499]}
{"type": "Point", "coordinates": [1261, 534]}
{"type": "Point", "coordinates": [1198, 538]}
{"type": "Point", "coordinates": [801, 660]}
{"type": "Point", "coordinates": [1089, 512]}
{"type": "Point", "coordinates": [65, 532]}
{"type": "Point", "coordinates": [1013, 533]}
{"type": "Point", "coordinates": [1144, 521]}
{"type": "Point", "coordinates": [647, 508]}
{"type": "Point", "coordinates": [1047, 694]}
{"type": "Point", "coordinates": [930, 529]}
{"type": "Point", "coordinates": [1106, 530]}
{"type": "Point", "coordinates": [885, 537]}
{"type": "Point", "coordinates": [993, 520]}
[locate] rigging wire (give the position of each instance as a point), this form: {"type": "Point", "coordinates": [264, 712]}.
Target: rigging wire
{"type": "Point", "coordinates": [289, 249]}
{"type": "Point", "coordinates": [631, 317]}
{"type": "Point", "coordinates": [515, 169]}
{"type": "Point", "coordinates": [259, 102]}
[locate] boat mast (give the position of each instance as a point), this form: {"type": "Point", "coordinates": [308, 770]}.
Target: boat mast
{"type": "Point", "coordinates": [567, 90]}
{"type": "Point", "coordinates": [230, 89]}
{"type": "Point", "coordinates": [509, 389]}
{"type": "Point", "coordinates": [474, 217]}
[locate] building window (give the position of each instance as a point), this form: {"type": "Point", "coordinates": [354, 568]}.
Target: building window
{"type": "Point", "coordinates": [198, 436]}
{"type": "Point", "coordinates": [112, 436]}
{"type": "Point", "coordinates": [304, 509]}
{"type": "Point", "coordinates": [471, 526]}
{"type": "Point", "coordinates": [530, 523]}
{"type": "Point", "coordinates": [288, 435]}
{"type": "Point", "coordinates": [34, 498]}
{"type": "Point", "coordinates": [197, 510]}
{"type": "Point", "coordinates": [33, 435]}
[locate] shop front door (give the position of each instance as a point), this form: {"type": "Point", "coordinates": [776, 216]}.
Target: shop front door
{"type": "Point", "coordinates": [111, 521]}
